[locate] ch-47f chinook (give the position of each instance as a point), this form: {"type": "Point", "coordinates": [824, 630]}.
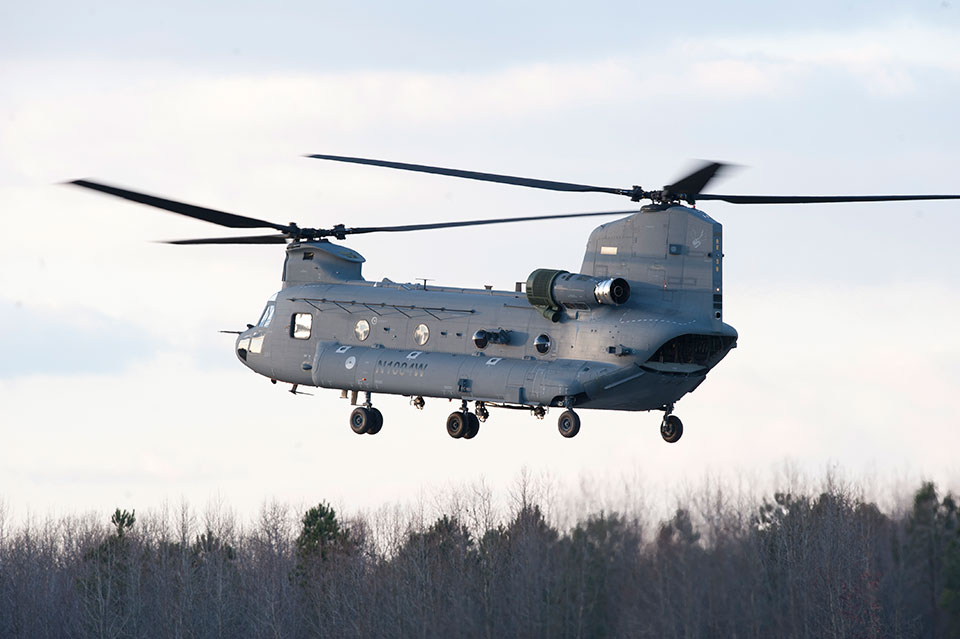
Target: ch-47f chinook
{"type": "Point", "coordinates": [637, 328]}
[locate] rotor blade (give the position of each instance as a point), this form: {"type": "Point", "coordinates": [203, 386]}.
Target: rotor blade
{"type": "Point", "coordinates": [247, 239]}
{"type": "Point", "coordinates": [484, 177]}
{"type": "Point", "coordinates": [696, 181]}
{"type": "Point", "coordinates": [814, 199]}
{"type": "Point", "coordinates": [201, 213]}
{"type": "Point", "coordinates": [503, 220]}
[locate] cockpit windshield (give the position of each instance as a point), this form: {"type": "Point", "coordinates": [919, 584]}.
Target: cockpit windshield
{"type": "Point", "coordinates": [267, 316]}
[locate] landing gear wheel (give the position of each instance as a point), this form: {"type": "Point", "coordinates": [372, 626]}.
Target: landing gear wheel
{"type": "Point", "coordinates": [361, 420]}
{"type": "Point", "coordinates": [376, 422]}
{"type": "Point", "coordinates": [568, 424]}
{"type": "Point", "coordinates": [457, 424]}
{"type": "Point", "coordinates": [474, 426]}
{"type": "Point", "coordinates": [671, 429]}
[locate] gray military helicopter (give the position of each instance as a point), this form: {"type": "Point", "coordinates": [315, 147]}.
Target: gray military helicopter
{"type": "Point", "coordinates": [637, 328]}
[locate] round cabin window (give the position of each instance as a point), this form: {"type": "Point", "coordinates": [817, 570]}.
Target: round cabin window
{"type": "Point", "coordinates": [421, 334]}
{"type": "Point", "coordinates": [481, 339]}
{"type": "Point", "coordinates": [542, 343]}
{"type": "Point", "coordinates": [362, 330]}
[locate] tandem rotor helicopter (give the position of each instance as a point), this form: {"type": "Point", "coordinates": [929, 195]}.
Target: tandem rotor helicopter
{"type": "Point", "coordinates": [637, 328]}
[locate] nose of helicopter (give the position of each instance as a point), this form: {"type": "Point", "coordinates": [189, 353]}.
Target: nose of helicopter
{"type": "Point", "coordinates": [242, 346]}
{"type": "Point", "coordinates": [249, 344]}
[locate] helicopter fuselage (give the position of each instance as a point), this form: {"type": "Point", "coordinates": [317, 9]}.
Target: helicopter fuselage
{"type": "Point", "coordinates": [343, 332]}
{"type": "Point", "coordinates": [368, 336]}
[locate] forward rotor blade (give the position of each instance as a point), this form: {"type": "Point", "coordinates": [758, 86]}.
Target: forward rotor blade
{"type": "Point", "coordinates": [503, 220]}
{"type": "Point", "coordinates": [818, 199]}
{"type": "Point", "coordinates": [248, 239]}
{"type": "Point", "coordinates": [483, 177]}
{"type": "Point", "coordinates": [198, 212]}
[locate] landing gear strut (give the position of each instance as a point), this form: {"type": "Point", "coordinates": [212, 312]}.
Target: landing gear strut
{"type": "Point", "coordinates": [671, 428]}
{"type": "Point", "coordinates": [482, 412]}
{"type": "Point", "coordinates": [366, 419]}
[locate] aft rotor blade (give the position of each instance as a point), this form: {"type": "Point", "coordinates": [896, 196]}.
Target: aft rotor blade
{"type": "Point", "coordinates": [248, 239]}
{"type": "Point", "coordinates": [695, 182]}
{"type": "Point", "coordinates": [502, 220]}
{"type": "Point", "coordinates": [818, 199]}
{"type": "Point", "coordinates": [475, 175]}
{"type": "Point", "coordinates": [198, 212]}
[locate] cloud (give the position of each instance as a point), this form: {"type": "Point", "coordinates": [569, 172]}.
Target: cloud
{"type": "Point", "coordinates": [158, 111]}
{"type": "Point", "coordinates": [67, 341]}
{"type": "Point", "coordinates": [886, 61]}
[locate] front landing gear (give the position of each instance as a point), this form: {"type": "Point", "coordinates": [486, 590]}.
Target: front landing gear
{"type": "Point", "coordinates": [671, 428]}
{"type": "Point", "coordinates": [366, 420]}
{"type": "Point", "coordinates": [463, 424]}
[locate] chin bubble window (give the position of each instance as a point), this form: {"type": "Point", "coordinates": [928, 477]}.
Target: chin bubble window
{"type": "Point", "coordinates": [301, 326]}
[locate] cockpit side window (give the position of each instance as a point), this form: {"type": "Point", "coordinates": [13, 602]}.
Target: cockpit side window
{"type": "Point", "coordinates": [267, 316]}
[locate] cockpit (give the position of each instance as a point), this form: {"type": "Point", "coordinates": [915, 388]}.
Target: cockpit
{"type": "Point", "coordinates": [251, 340]}
{"type": "Point", "coordinates": [267, 315]}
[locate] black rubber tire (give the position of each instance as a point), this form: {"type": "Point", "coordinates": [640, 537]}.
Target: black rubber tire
{"type": "Point", "coordinates": [568, 424]}
{"type": "Point", "coordinates": [376, 418]}
{"type": "Point", "coordinates": [458, 424]}
{"type": "Point", "coordinates": [671, 429]}
{"type": "Point", "coordinates": [360, 420]}
{"type": "Point", "coordinates": [474, 426]}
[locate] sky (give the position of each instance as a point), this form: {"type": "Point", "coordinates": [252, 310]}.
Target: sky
{"type": "Point", "coordinates": [116, 388]}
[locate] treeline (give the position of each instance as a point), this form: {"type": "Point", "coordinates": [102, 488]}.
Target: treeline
{"type": "Point", "coordinates": [823, 564]}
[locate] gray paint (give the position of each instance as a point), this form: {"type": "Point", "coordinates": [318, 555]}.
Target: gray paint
{"type": "Point", "coordinates": [599, 356]}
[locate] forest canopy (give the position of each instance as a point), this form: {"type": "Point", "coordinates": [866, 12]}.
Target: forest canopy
{"type": "Point", "coordinates": [821, 563]}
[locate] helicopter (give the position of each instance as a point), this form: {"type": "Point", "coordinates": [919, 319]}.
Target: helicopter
{"type": "Point", "coordinates": [638, 327]}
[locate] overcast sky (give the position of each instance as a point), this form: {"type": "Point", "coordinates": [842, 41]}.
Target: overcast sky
{"type": "Point", "coordinates": [117, 390]}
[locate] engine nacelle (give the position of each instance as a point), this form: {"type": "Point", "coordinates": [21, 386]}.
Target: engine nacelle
{"type": "Point", "coordinates": [551, 289]}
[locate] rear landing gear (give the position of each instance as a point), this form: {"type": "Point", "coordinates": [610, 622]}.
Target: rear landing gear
{"type": "Point", "coordinates": [671, 428]}
{"type": "Point", "coordinates": [568, 424]}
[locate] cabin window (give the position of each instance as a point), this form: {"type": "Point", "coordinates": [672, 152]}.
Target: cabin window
{"type": "Point", "coordinates": [542, 343]}
{"type": "Point", "coordinates": [481, 339]}
{"type": "Point", "coordinates": [362, 329]}
{"type": "Point", "coordinates": [301, 326]}
{"type": "Point", "coordinates": [267, 316]}
{"type": "Point", "coordinates": [421, 334]}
